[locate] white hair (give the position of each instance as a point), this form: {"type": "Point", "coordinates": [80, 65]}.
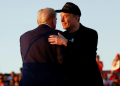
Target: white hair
{"type": "Point", "coordinates": [39, 16]}
{"type": "Point", "coordinates": [45, 15]}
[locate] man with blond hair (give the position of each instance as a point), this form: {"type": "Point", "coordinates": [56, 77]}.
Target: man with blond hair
{"type": "Point", "coordinates": [40, 59]}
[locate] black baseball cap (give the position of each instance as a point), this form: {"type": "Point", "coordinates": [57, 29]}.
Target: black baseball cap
{"type": "Point", "coordinates": [70, 7]}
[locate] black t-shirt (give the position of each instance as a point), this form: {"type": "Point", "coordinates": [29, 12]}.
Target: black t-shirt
{"type": "Point", "coordinates": [70, 36]}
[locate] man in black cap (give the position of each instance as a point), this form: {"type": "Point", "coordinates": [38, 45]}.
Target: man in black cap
{"type": "Point", "coordinates": [80, 45]}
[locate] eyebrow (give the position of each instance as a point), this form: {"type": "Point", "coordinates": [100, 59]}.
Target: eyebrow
{"type": "Point", "coordinates": [66, 15]}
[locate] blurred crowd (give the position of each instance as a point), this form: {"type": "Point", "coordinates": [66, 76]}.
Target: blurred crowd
{"type": "Point", "coordinates": [114, 78]}
{"type": "Point", "coordinates": [13, 78]}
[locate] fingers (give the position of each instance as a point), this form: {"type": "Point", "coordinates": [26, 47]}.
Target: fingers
{"type": "Point", "coordinates": [54, 39]}
{"type": "Point", "coordinates": [51, 39]}
{"type": "Point", "coordinates": [59, 34]}
{"type": "Point", "coordinates": [53, 36]}
{"type": "Point", "coordinates": [52, 43]}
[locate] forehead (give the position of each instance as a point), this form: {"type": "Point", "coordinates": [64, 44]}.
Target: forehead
{"type": "Point", "coordinates": [66, 14]}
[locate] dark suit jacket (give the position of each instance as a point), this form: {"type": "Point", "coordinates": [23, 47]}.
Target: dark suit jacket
{"type": "Point", "coordinates": [81, 67]}
{"type": "Point", "coordinates": [41, 63]}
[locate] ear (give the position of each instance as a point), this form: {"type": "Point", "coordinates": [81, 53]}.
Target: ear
{"type": "Point", "coordinates": [53, 20]}
{"type": "Point", "coordinates": [77, 17]}
{"type": "Point", "coordinates": [53, 23]}
{"type": "Point", "coordinates": [38, 22]}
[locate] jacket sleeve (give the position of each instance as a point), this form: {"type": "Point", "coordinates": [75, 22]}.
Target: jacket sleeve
{"type": "Point", "coordinates": [90, 44]}
{"type": "Point", "coordinates": [61, 54]}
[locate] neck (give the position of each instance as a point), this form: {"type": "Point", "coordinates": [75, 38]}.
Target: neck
{"type": "Point", "coordinates": [75, 28]}
{"type": "Point", "coordinates": [47, 23]}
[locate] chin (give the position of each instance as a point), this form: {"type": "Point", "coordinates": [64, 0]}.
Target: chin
{"type": "Point", "coordinates": [64, 28]}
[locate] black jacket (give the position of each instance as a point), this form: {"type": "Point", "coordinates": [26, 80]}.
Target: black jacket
{"type": "Point", "coordinates": [81, 67]}
{"type": "Point", "coordinates": [40, 59]}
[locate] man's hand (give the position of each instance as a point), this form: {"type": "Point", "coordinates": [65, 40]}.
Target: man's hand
{"type": "Point", "coordinates": [58, 39]}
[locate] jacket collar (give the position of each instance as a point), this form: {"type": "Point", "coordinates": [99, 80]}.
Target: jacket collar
{"type": "Point", "coordinates": [44, 25]}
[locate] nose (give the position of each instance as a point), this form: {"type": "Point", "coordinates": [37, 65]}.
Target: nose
{"type": "Point", "coordinates": [62, 19]}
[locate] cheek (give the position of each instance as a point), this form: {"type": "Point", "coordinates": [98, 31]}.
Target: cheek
{"type": "Point", "coordinates": [67, 21]}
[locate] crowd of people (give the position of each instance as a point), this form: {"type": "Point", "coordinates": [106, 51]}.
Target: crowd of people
{"type": "Point", "coordinates": [13, 78]}
{"type": "Point", "coordinates": [114, 78]}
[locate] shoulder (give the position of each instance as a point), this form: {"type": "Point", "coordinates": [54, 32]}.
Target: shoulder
{"type": "Point", "coordinates": [60, 32]}
{"type": "Point", "coordinates": [51, 30]}
{"type": "Point", "coordinates": [29, 32]}
{"type": "Point", "coordinates": [25, 34]}
{"type": "Point", "coordinates": [65, 33]}
{"type": "Point", "coordinates": [55, 32]}
{"type": "Point", "coordinates": [88, 30]}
